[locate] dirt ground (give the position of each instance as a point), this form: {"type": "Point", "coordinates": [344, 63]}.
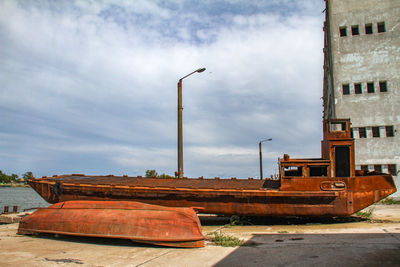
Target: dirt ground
{"type": "Point", "coordinates": [273, 242]}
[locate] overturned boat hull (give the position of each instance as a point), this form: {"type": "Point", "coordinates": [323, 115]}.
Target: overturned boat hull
{"type": "Point", "coordinates": [140, 222]}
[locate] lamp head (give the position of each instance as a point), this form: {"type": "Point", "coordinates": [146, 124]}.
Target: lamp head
{"type": "Point", "coordinates": [269, 139]}
{"type": "Point", "coordinates": [201, 70]}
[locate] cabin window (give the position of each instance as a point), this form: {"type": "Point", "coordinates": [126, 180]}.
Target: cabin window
{"type": "Point", "coordinates": [293, 171]}
{"type": "Point", "coordinates": [318, 170]}
{"type": "Point", "coordinates": [337, 126]}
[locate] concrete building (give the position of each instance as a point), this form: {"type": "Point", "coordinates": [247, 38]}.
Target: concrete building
{"type": "Point", "coordinates": [362, 78]}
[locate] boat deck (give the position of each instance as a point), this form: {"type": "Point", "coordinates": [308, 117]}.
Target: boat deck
{"type": "Point", "coordinates": [194, 183]}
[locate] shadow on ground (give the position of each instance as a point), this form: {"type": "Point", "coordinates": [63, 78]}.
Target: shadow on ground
{"type": "Point", "coordinates": [209, 220]}
{"type": "Point", "coordinates": [317, 250]}
{"type": "Point", "coordinates": [95, 240]}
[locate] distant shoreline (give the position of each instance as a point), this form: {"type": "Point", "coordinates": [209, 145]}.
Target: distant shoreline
{"type": "Point", "coordinates": [14, 185]}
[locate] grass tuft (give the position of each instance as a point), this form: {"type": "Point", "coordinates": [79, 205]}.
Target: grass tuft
{"type": "Point", "coordinates": [389, 201]}
{"type": "Point", "coordinates": [224, 240]}
{"type": "Point", "coordinates": [236, 220]}
{"type": "Point", "coordinates": [367, 214]}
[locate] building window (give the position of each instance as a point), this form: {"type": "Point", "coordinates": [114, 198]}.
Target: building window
{"type": "Point", "coordinates": [383, 86]}
{"type": "Point", "coordinates": [364, 167]}
{"type": "Point", "coordinates": [357, 88]}
{"type": "Point", "coordinates": [362, 132]}
{"type": "Point", "coordinates": [370, 87]}
{"type": "Point", "coordinates": [392, 169]}
{"type": "Point", "coordinates": [352, 132]}
{"type": "Point", "coordinates": [375, 132]}
{"type": "Point", "coordinates": [381, 26]}
{"type": "Point", "coordinates": [343, 31]}
{"type": "Point", "coordinates": [346, 89]}
{"type": "Point", "coordinates": [378, 168]}
{"type": "Point", "coordinates": [368, 28]}
{"type": "Point", "coordinates": [355, 30]}
{"type": "Point", "coordinates": [389, 131]}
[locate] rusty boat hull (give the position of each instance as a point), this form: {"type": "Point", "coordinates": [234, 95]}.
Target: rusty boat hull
{"type": "Point", "coordinates": [140, 222]}
{"type": "Point", "coordinates": [326, 186]}
{"type": "Point", "coordinates": [317, 196]}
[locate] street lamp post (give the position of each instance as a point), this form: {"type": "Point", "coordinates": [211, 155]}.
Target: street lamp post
{"type": "Point", "coordinates": [259, 146]}
{"type": "Point", "coordinates": [180, 134]}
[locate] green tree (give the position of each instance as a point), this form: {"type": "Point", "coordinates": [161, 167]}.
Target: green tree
{"type": "Point", "coordinates": [151, 173]}
{"type": "Point", "coordinates": [154, 174]}
{"type": "Point", "coordinates": [4, 178]}
{"type": "Point", "coordinates": [165, 176]}
{"type": "Point", "coordinates": [27, 176]}
{"type": "Point", "coordinates": [13, 177]}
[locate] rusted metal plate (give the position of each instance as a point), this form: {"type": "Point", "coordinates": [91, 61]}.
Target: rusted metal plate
{"type": "Point", "coordinates": [296, 196]}
{"type": "Point", "coordinates": [326, 186]}
{"type": "Point", "coordinates": [140, 222]}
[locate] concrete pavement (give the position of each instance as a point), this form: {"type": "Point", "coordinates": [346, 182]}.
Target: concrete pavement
{"type": "Point", "coordinates": [269, 243]}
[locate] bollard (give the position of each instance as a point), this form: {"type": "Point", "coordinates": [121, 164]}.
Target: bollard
{"type": "Point", "coordinates": [15, 208]}
{"type": "Point", "coordinates": [5, 209]}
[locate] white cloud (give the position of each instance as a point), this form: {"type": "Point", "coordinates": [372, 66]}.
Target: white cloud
{"type": "Point", "coordinates": [99, 78]}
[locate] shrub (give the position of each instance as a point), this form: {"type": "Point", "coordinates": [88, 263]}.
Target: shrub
{"type": "Point", "coordinates": [154, 174]}
{"type": "Point", "coordinates": [151, 173]}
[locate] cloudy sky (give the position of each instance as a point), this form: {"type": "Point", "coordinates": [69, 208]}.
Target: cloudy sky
{"type": "Point", "coordinates": [91, 86]}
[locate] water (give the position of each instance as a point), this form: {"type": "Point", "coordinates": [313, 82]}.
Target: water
{"type": "Point", "coordinates": [23, 197]}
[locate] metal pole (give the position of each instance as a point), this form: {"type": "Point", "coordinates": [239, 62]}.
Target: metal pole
{"type": "Point", "coordinates": [180, 127]}
{"type": "Point", "coordinates": [259, 147]}
{"type": "Point", "coordinates": [180, 134]}
{"type": "Point", "coordinates": [261, 171]}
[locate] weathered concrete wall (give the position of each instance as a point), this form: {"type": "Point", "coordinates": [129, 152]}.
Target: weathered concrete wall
{"type": "Point", "coordinates": [368, 58]}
